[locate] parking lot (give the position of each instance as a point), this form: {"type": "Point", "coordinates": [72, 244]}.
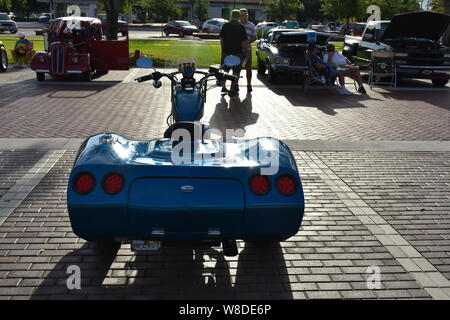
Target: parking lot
{"type": "Point", "coordinates": [375, 169]}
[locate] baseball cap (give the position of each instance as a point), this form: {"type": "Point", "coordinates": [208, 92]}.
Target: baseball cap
{"type": "Point", "coordinates": [21, 34]}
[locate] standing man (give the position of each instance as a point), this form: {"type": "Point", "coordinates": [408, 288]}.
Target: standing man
{"type": "Point", "coordinates": [251, 36]}
{"type": "Point", "coordinates": [233, 40]}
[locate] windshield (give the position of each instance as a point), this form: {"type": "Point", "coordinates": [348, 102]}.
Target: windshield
{"type": "Point", "coordinates": [184, 23]}
{"type": "Point", "coordinates": [4, 16]}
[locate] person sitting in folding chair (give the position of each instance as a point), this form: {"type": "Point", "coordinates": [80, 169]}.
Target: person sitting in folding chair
{"type": "Point", "coordinates": [344, 69]}
{"type": "Point", "coordinates": [324, 71]}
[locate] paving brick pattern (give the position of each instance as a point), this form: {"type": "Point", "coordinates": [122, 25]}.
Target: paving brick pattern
{"type": "Point", "coordinates": [410, 190]}
{"type": "Point", "coordinates": [14, 164]}
{"type": "Point", "coordinates": [328, 258]}
{"type": "Point", "coordinates": [31, 110]}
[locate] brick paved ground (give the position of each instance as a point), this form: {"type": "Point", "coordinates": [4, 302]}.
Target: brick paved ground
{"type": "Point", "coordinates": [327, 259]}
{"type": "Point", "coordinates": [13, 165]}
{"type": "Point", "coordinates": [410, 190]}
{"type": "Point", "coordinates": [139, 111]}
{"type": "Point", "coordinates": [363, 208]}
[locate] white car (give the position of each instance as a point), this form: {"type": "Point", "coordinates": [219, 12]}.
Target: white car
{"type": "Point", "coordinates": [7, 24]}
{"type": "Point", "coordinates": [213, 25]}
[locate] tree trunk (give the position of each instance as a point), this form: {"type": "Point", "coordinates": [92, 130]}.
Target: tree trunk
{"type": "Point", "coordinates": [112, 8]}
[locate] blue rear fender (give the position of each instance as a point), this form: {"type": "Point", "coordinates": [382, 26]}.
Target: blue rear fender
{"type": "Point", "coordinates": [151, 197]}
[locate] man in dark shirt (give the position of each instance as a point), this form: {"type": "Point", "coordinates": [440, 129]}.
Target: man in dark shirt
{"type": "Point", "coordinates": [233, 40]}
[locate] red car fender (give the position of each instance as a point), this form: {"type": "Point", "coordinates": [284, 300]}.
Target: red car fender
{"type": "Point", "coordinates": [36, 62]}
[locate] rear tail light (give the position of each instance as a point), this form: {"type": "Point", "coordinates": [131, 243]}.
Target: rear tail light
{"type": "Point", "coordinates": [113, 183]}
{"type": "Point", "coordinates": [84, 183]}
{"type": "Point", "coordinates": [260, 185]}
{"type": "Point", "coordinates": [286, 184]}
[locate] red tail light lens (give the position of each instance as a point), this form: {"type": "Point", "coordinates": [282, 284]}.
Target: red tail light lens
{"type": "Point", "coordinates": [286, 184]}
{"type": "Point", "coordinates": [259, 184]}
{"type": "Point", "coordinates": [113, 183]}
{"type": "Point", "coordinates": [84, 183]}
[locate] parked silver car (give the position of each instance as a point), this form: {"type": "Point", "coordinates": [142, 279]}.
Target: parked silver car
{"type": "Point", "coordinates": [213, 25]}
{"type": "Point", "coordinates": [7, 24]}
{"type": "Point", "coordinates": [264, 27]}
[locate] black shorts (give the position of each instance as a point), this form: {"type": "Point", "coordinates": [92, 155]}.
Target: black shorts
{"type": "Point", "coordinates": [235, 69]}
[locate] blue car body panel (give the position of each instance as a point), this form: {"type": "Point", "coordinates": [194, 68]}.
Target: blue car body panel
{"type": "Point", "coordinates": [151, 197]}
{"type": "Point", "coordinates": [188, 105]}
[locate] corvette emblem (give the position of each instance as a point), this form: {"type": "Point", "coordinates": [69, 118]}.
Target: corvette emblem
{"type": "Point", "coordinates": [187, 189]}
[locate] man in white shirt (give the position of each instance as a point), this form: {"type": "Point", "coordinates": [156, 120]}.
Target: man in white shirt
{"type": "Point", "coordinates": [251, 36]}
{"type": "Point", "coordinates": [345, 69]}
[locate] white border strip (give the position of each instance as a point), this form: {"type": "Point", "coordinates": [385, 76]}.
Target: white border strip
{"type": "Point", "coordinates": [23, 187]}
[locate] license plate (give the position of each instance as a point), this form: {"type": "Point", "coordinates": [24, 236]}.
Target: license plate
{"type": "Point", "coordinates": [145, 245]}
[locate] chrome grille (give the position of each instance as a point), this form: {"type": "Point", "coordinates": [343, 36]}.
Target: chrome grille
{"type": "Point", "coordinates": [57, 59]}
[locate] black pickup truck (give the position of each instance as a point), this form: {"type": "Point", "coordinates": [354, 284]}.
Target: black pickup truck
{"type": "Point", "coordinates": [415, 40]}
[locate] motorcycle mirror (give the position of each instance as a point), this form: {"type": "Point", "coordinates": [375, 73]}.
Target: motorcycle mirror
{"type": "Point", "coordinates": [144, 62]}
{"type": "Point", "coordinates": [157, 84]}
{"type": "Point", "coordinates": [231, 61]}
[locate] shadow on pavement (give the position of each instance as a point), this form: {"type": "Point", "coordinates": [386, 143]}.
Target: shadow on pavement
{"type": "Point", "coordinates": [13, 92]}
{"type": "Point", "coordinates": [233, 114]}
{"type": "Point", "coordinates": [172, 273]}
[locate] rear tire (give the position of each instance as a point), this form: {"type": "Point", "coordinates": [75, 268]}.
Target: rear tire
{"type": "Point", "coordinates": [101, 72]}
{"type": "Point", "coordinates": [86, 76]}
{"type": "Point", "coordinates": [13, 31]}
{"type": "Point", "coordinates": [166, 32]}
{"type": "Point", "coordinates": [261, 67]}
{"type": "Point", "coordinates": [3, 60]}
{"type": "Point", "coordinates": [439, 82]}
{"type": "Point", "coordinates": [40, 76]}
{"type": "Point", "coordinates": [205, 30]}
{"type": "Point", "coordinates": [181, 34]}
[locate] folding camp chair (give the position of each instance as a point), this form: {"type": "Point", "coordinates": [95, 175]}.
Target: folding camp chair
{"type": "Point", "coordinates": [382, 66]}
{"type": "Point", "coordinates": [313, 77]}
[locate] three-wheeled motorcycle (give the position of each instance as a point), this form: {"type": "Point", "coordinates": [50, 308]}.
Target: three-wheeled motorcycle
{"type": "Point", "coordinates": [190, 187]}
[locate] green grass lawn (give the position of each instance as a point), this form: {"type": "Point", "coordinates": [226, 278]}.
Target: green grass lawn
{"type": "Point", "coordinates": [164, 52]}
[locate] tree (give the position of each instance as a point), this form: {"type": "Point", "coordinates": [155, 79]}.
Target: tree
{"type": "Point", "coordinates": [437, 6]}
{"type": "Point", "coordinates": [389, 8]}
{"type": "Point", "coordinates": [5, 5]}
{"type": "Point", "coordinates": [165, 9]}
{"type": "Point", "coordinates": [279, 10]}
{"type": "Point", "coordinates": [312, 10]}
{"type": "Point", "coordinates": [112, 8]}
{"type": "Point", "coordinates": [342, 9]}
{"type": "Point", "coordinates": [201, 9]}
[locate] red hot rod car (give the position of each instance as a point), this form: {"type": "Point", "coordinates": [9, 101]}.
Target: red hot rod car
{"type": "Point", "coordinates": [78, 45]}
